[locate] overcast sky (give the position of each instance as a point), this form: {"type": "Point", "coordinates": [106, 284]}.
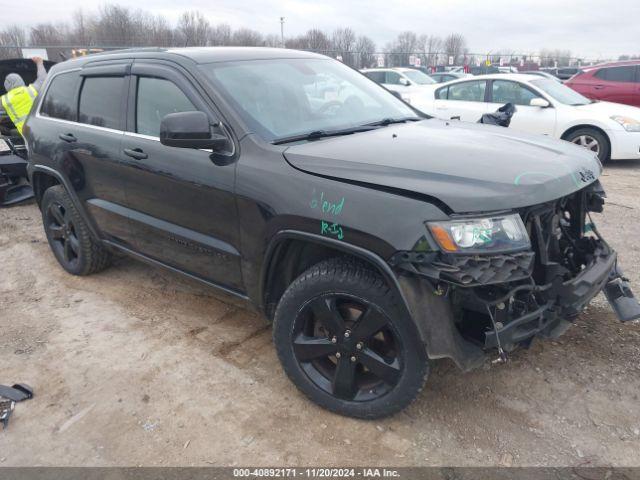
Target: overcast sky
{"type": "Point", "coordinates": [589, 28]}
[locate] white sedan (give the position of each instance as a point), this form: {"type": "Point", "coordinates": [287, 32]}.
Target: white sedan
{"type": "Point", "coordinates": [408, 83]}
{"type": "Point", "coordinates": [543, 106]}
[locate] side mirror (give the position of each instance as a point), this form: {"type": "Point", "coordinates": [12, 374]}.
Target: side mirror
{"type": "Point", "coordinates": [404, 81]}
{"type": "Point", "coordinates": [539, 102]}
{"type": "Point", "coordinates": [190, 130]}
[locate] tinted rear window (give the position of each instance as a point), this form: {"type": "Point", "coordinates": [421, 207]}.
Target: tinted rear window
{"type": "Point", "coordinates": [377, 77]}
{"type": "Point", "coordinates": [60, 99]}
{"type": "Point", "coordinates": [101, 100]}
{"type": "Point", "coordinates": [616, 74]}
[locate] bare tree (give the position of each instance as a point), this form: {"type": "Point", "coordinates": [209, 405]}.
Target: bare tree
{"type": "Point", "coordinates": [342, 43]}
{"type": "Point", "coordinates": [221, 35]}
{"type": "Point", "coordinates": [194, 29]}
{"type": "Point", "coordinates": [365, 48]}
{"type": "Point", "coordinates": [245, 37]}
{"type": "Point", "coordinates": [430, 45]}
{"type": "Point", "coordinates": [402, 48]}
{"type": "Point", "coordinates": [12, 36]}
{"type": "Point", "coordinates": [454, 46]}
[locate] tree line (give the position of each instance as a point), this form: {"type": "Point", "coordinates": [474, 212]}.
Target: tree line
{"type": "Point", "coordinates": [114, 25]}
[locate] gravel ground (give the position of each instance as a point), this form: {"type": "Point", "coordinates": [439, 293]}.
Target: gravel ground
{"type": "Point", "coordinates": [139, 366]}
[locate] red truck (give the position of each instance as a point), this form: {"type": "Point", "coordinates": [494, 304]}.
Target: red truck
{"type": "Point", "coordinates": [617, 82]}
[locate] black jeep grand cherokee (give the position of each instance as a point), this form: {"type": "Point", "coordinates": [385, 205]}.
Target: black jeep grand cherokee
{"type": "Point", "coordinates": [373, 237]}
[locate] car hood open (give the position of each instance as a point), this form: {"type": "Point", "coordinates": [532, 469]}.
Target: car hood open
{"type": "Point", "coordinates": [22, 66]}
{"type": "Point", "coordinates": [468, 167]}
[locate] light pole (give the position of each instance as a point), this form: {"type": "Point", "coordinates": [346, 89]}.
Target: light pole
{"type": "Point", "coordinates": [282, 32]}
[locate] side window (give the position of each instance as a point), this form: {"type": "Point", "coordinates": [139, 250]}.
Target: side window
{"type": "Point", "coordinates": [504, 91]}
{"type": "Point", "coordinates": [392, 78]}
{"type": "Point", "coordinates": [442, 93]}
{"type": "Point", "coordinates": [60, 99]}
{"type": "Point", "coordinates": [377, 77]}
{"type": "Point", "coordinates": [616, 74]}
{"type": "Point", "coordinates": [468, 91]}
{"type": "Point", "coordinates": [100, 101]}
{"type": "Point", "coordinates": [156, 98]}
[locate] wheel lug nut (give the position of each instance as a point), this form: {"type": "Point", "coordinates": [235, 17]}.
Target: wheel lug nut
{"type": "Point", "coordinates": [353, 359]}
{"type": "Point", "coordinates": [334, 340]}
{"type": "Point", "coordinates": [359, 345]}
{"type": "Point", "coordinates": [338, 355]}
{"type": "Point", "coordinates": [347, 334]}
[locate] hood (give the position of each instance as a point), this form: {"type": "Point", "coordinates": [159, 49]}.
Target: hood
{"type": "Point", "coordinates": [607, 109]}
{"type": "Point", "coordinates": [25, 68]}
{"type": "Point", "coordinates": [469, 167]}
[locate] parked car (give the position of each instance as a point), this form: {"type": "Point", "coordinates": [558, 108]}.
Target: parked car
{"type": "Point", "coordinates": [546, 107]}
{"type": "Point", "coordinates": [566, 73]}
{"type": "Point", "coordinates": [614, 82]}
{"type": "Point", "coordinates": [483, 70]}
{"type": "Point", "coordinates": [442, 77]}
{"type": "Point", "coordinates": [409, 83]}
{"type": "Point", "coordinates": [374, 239]}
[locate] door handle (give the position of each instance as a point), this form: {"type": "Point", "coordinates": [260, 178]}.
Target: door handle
{"type": "Point", "coordinates": [67, 137]}
{"type": "Point", "coordinates": [136, 153]}
{"type": "Point", "coordinates": [599, 87]}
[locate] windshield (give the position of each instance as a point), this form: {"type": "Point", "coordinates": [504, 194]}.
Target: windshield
{"type": "Point", "coordinates": [280, 98]}
{"type": "Point", "coordinates": [416, 76]}
{"type": "Point", "coordinates": [560, 92]}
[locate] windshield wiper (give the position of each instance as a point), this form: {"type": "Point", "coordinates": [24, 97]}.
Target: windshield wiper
{"type": "Point", "coordinates": [316, 134]}
{"type": "Point", "coordinates": [388, 121]}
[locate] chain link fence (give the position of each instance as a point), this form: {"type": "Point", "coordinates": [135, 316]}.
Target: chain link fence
{"type": "Point", "coordinates": [428, 61]}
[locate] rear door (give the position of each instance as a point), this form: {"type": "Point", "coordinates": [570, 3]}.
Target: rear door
{"type": "Point", "coordinates": [82, 121]}
{"type": "Point", "coordinates": [464, 101]}
{"type": "Point", "coordinates": [527, 118]}
{"type": "Point", "coordinates": [182, 205]}
{"type": "Point", "coordinates": [616, 84]}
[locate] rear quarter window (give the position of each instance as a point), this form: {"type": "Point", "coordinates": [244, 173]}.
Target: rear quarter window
{"type": "Point", "coordinates": [101, 102]}
{"type": "Point", "coordinates": [616, 74]}
{"type": "Point", "coordinates": [60, 98]}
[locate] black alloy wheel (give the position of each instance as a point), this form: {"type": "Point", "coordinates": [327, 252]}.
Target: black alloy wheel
{"type": "Point", "coordinates": [348, 347]}
{"type": "Point", "coordinates": [347, 343]}
{"type": "Point", "coordinates": [62, 231]}
{"type": "Point", "coordinates": [71, 242]}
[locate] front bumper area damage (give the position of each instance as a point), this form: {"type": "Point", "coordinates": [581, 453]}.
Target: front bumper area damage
{"type": "Point", "coordinates": [469, 305]}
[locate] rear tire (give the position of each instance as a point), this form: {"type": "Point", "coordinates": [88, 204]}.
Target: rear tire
{"type": "Point", "coordinates": [346, 343]}
{"type": "Point", "coordinates": [68, 235]}
{"type": "Point", "coordinates": [593, 140]}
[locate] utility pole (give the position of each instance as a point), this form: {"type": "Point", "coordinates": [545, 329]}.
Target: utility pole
{"type": "Point", "coordinates": [282, 32]}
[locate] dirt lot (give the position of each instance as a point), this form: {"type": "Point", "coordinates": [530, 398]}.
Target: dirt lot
{"type": "Point", "coordinates": [138, 366]}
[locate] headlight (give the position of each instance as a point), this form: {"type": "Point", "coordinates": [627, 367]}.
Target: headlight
{"type": "Point", "coordinates": [481, 235]}
{"type": "Point", "coordinates": [629, 124]}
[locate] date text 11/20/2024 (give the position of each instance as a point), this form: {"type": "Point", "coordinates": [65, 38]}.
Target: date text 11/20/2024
{"type": "Point", "coordinates": [364, 473]}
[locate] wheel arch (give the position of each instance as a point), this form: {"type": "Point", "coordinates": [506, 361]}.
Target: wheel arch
{"type": "Point", "coordinates": [591, 126]}
{"type": "Point", "coordinates": [42, 177]}
{"type": "Point", "coordinates": [291, 252]}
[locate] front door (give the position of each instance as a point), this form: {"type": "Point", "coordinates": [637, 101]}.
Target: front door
{"type": "Point", "coordinates": [182, 205]}
{"type": "Point", "coordinates": [530, 119]}
{"type": "Point", "coordinates": [461, 101]}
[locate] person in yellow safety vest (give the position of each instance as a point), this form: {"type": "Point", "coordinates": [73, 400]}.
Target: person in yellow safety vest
{"type": "Point", "coordinates": [18, 100]}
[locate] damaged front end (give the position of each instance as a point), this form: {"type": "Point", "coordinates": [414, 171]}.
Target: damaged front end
{"type": "Point", "coordinates": [502, 299]}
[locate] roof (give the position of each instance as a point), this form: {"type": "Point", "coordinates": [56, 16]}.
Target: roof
{"type": "Point", "coordinates": [196, 54]}
{"type": "Point", "coordinates": [625, 63]}
{"type": "Point", "coordinates": [384, 69]}
{"type": "Point", "coordinates": [518, 77]}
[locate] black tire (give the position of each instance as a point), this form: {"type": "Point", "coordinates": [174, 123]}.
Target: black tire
{"type": "Point", "coordinates": [69, 238]}
{"type": "Point", "coordinates": [395, 358]}
{"type": "Point", "coordinates": [584, 135]}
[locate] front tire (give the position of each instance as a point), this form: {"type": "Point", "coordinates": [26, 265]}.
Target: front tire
{"type": "Point", "coordinates": [68, 235]}
{"type": "Point", "coordinates": [346, 343]}
{"type": "Point", "coordinates": [592, 140]}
